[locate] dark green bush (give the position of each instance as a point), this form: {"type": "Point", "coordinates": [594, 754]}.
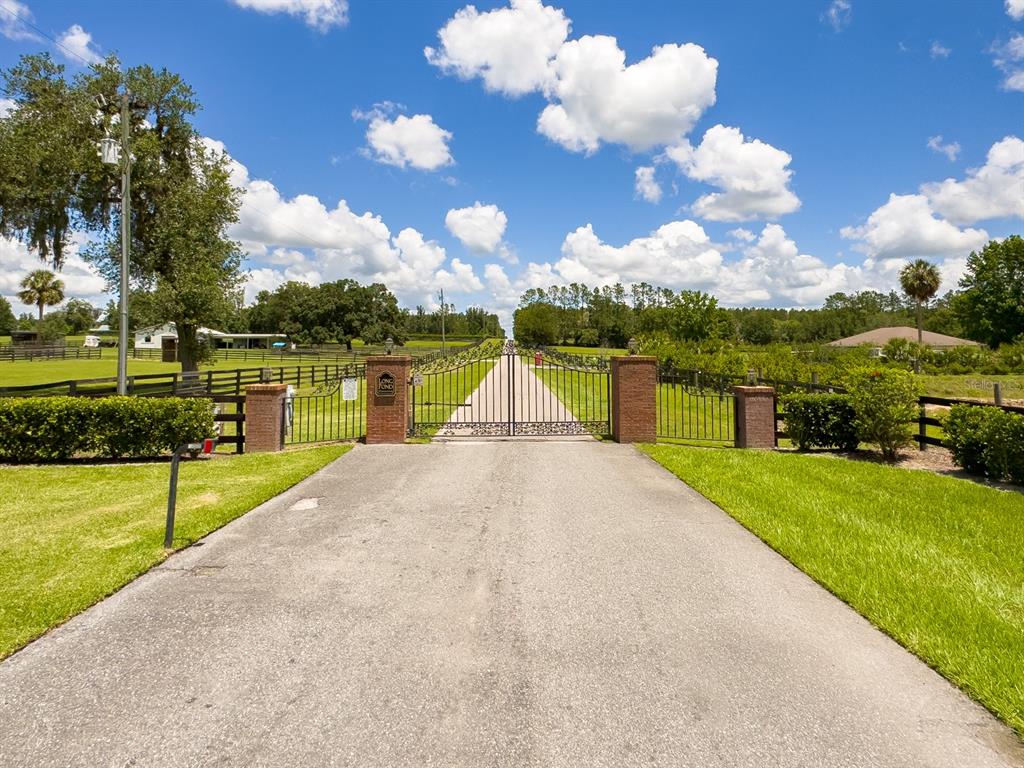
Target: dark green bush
{"type": "Point", "coordinates": [38, 428]}
{"type": "Point", "coordinates": [820, 421]}
{"type": "Point", "coordinates": [41, 428]}
{"type": "Point", "coordinates": [987, 441]}
{"type": "Point", "coordinates": [964, 428]}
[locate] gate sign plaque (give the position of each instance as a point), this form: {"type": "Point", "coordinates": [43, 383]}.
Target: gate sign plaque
{"type": "Point", "coordinates": [349, 389]}
{"type": "Point", "coordinates": [417, 379]}
{"type": "Point", "coordinates": [385, 384]}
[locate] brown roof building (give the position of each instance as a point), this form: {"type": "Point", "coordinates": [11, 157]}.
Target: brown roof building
{"type": "Point", "coordinates": [879, 337]}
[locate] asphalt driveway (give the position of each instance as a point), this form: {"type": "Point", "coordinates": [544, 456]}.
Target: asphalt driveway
{"type": "Point", "coordinates": [483, 604]}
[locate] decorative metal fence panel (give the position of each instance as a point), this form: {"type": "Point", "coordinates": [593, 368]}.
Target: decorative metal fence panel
{"type": "Point", "coordinates": [691, 407]}
{"type": "Point", "coordinates": [507, 391]}
{"type": "Point", "coordinates": [334, 410]}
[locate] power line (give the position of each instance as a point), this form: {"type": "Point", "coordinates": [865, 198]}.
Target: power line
{"type": "Point", "coordinates": [28, 23]}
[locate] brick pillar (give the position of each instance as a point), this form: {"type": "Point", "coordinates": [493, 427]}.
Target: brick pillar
{"type": "Point", "coordinates": [387, 418]}
{"type": "Point", "coordinates": [634, 394]}
{"type": "Point", "coordinates": [264, 417]}
{"type": "Point", "coordinates": [755, 417]}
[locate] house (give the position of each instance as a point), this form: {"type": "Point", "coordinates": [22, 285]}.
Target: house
{"type": "Point", "coordinates": [881, 336]}
{"type": "Point", "coordinates": [153, 338]}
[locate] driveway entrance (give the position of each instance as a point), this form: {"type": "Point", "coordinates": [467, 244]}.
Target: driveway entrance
{"type": "Point", "coordinates": [510, 391]}
{"type": "Point", "coordinates": [483, 604]}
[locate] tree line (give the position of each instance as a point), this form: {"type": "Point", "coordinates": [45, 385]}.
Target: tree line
{"type": "Point", "coordinates": [987, 306]}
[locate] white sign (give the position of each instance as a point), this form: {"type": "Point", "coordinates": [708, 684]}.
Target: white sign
{"type": "Point", "coordinates": [417, 379]}
{"type": "Point", "coordinates": [350, 389]}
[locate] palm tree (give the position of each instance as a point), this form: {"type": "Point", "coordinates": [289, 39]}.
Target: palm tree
{"type": "Point", "coordinates": [42, 288]}
{"type": "Point", "coordinates": [920, 281]}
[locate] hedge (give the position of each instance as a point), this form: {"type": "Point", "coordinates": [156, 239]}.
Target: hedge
{"type": "Point", "coordinates": [987, 441]}
{"type": "Point", "coordinates": [820, 421]}
{"type": "Point", "coordinates": [46, 428]}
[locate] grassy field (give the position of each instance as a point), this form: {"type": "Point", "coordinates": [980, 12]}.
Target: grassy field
{"type": "Point", "coordinates": [600, 351]}
{"type": "Point", "coordinates": [935, 562]}
{"type": "Point", "coordinates": [74, 534]}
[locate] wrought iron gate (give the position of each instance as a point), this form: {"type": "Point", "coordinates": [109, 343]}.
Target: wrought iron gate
{"type": "Point", "coordinates": [509, 391]}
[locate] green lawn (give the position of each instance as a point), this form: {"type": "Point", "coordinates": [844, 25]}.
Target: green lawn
{"type": "Point", "coordinates": [74, 534]}
{"type": "Point", "coordinates": [585, 393]}
{"type": "Point", "coordinates": [973, 386]}
{"type": "Point", "coordinates": [935, 562]}
{"type": "Point", "coordinates": [597, 351]}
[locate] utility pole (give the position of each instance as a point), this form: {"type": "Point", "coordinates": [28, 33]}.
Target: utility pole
{"type": "Point", "coordinates": [126, 240]}
{"type": "Point", "coordinates": [442, 323]}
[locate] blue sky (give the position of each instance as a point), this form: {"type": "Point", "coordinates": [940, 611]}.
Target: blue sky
{"type": "Point", "coordinates": [753, 155]}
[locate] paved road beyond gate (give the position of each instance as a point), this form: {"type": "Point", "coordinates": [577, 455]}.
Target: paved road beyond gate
{"type": "Point", "coordinates": [509, 391]}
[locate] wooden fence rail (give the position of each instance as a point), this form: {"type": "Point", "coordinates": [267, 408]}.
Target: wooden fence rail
{"type": "Point", "coordinates": [12, 353]}
{"type": "Point", "coordinates": [210, 382]}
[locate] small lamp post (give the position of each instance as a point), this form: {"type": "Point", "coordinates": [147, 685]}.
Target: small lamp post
{"type": "Point", "coordinates": [389, 345]}
{"type": "Point", "coordinates": [633, 346]}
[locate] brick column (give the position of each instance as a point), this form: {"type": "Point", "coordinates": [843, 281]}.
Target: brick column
{"type": "Point", "coordinates": [387, 418]}
{"type": "Point", "coordinates": [755, 417]}
{"type": "Point", "coordinates": [264, 417]}
{"type": "Point", "coordinates": [634, 395]}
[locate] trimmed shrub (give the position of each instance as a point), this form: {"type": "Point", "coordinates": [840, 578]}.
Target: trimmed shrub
{"type": "Point", "coordinates": [42, 428]}
{"type": "Point", "coordinates": [964, 428]}
{"type": "Point", "coordinates": [987, 441]}
{"type": "Point", "coordinates": [820, 421]}
{"type": "Point", "coordinates": [1003, 434]}
{"type": "Point", "coordinates": [885, 403]}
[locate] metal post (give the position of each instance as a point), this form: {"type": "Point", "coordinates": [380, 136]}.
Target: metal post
{"type": "Point", "coordinates": [997, 392]}
{"type": "Point", "coordinates": [172, 499]}
{"type": "Point", "coordinates": [126, 218]}
{"type": "Point", "coordinates": [442, 323]}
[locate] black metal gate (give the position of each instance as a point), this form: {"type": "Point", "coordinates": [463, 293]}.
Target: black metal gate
{"type": "Point", "coordinates": [509, 391]}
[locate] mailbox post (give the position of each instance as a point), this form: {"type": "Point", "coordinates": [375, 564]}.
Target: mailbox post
{"type": "Point", "coordinates": [206, 446]}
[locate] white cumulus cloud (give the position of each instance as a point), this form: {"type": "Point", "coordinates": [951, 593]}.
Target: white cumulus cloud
{"type": "Point", "coordinates": [595, 97]}
{"type": "Point", "coordinates": [479, 227]}
{"type": "Point", "coordinates": [838, 15]}
{"type": "Point", "coordinates": [15, 18]}
{"type": "Point", "coordinates": [939, 51]}
{"type": "Point", "coordinates": [1015, 9]}
{"type": "Point", "coordinates": [1009, 57]}
{"type": "Point", "coordinates": [679, 253]}
{"type": "Point", "coordinates": [753, 175]}
{"type": "Point", "coordinates": [653, 102]}
{"type": "Point", "coordinates": [950, 150]}
{"type": "Point", "coordinates": [510, 49]}
{"type": "Point", "coordinates": [907, 227]}
{"type": "Point", "coordinates": [302, 239]}
{"type": "Point", "coordinates": [773, 270]}
{"type": "Point", "coordinates": [81, 281]}
{"type": "Point", "coordinates": [6, 107]}
{"type": "Point", "coordinates": [994, 190]}
{"type": "Point", "coordinates": [318, 14]}
{"type": "Point", "coordinates": [76, 44]}
{"type": "Point", "coordinates": [415, 141]}
{"type": "Point", "coordinates": [646, 186]}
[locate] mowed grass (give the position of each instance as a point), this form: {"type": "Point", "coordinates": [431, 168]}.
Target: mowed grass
{"type": "Point", "coordinates": [935, 562]}
{"type": "Point", "coordinates": [974, 386]}
{"type": "Point", "coordinates": [73, 534]}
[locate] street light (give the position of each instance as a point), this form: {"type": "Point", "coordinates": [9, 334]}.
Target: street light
{"type": "Point", "coordinates": [389, 345]}
{"type": "Point", "coordinates": [111, 153]}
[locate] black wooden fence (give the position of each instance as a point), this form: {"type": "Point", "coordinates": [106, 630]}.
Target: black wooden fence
{"type": "Point", "coordinates": [15, 352]}
{"type": "Point", "coordinates": [209, 382]}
